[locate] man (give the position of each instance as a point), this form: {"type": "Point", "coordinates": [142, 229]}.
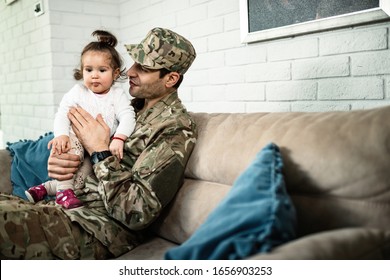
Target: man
{"type": "Point", "coordinates": [124, 197]}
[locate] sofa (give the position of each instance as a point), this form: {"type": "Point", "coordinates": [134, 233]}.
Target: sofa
{"type": "Point", "coordinates": [336, 168]}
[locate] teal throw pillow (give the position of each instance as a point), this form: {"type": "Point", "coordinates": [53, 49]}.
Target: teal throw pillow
{"type": "Point", "coordinates": [29, 163]}
{"type": "Point", "coordinates": [255, 216]}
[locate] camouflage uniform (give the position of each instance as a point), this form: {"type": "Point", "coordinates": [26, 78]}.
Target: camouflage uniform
{"type": "Point", "coordinates": [120, 202]}
{"type": "Point", "coordinates": [122, 198]}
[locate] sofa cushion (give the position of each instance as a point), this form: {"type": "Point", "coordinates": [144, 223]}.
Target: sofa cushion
{"type": "Point", "coordinates": [5, 171]}
{"type": "Point", "coordinates": [347, 244]}
{"type": "Point", "coordinates": [255, 216]}
{"type": "Point", "coordinates": [29, 163]}
{"type": "Point", "coordinates": [189, 209]}
{"type": "Point", "coordinates": [335, 162]}
{"type": "Point", "coordinates": [152, 249]}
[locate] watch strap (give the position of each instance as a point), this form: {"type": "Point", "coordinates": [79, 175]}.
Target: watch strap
{"type": "Point", "coordinates": [99, 156]}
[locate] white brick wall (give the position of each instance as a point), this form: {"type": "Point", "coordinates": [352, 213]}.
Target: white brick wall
{"type": "Point", "coordinates": [38, 55]}
{"type": "Point", "coordinates": [24, 69]}
{"type": "Point", "coordinates": [2, 146]}
{"type": "Point", "coordinates": [343, 69]}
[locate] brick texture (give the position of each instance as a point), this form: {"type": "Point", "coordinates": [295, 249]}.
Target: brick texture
{"type": "Point", "coordinates": [341, 69]}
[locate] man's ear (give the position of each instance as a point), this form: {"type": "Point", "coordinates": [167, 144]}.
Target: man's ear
{"type": "Point", "coordinates": [172, 79]}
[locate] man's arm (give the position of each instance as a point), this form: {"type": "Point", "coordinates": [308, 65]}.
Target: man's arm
{"type": "Point", "coordinates": [127, 195]}
{"type": "Point", "coordinates": [136, 197]}
{"type": "Point", "coordinates": [94, 136]}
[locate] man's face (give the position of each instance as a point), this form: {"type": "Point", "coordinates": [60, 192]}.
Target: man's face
{"type": "Point", "coordinates": [146, 83]}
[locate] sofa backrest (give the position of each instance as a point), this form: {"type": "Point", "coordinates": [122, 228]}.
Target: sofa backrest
{"type": "Point", "coordinates": [5, 171]}
{"type": "Point", "coordinates": [337, 165]}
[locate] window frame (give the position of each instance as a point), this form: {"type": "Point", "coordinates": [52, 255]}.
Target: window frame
{"type": "Point", "coordinates": [356, 18]}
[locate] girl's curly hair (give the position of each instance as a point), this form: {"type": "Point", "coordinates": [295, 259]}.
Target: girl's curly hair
{"type": "Point", "coordinates": [106, 42]}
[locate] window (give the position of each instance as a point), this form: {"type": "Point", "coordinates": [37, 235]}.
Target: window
{"type": "Point", "coordinates": [269, 19]}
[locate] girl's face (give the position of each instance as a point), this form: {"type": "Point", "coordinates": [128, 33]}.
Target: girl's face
{"type": "Point", "coordinates": [98, 74]}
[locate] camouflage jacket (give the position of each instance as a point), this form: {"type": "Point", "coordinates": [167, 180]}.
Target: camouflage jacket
{"type": "Point", "coordinates": [124, 198]}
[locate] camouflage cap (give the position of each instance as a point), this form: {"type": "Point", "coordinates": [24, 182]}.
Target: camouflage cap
{"type": "Point", "coordinates": [163, 48]}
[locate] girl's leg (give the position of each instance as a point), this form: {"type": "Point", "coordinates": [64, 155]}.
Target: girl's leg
{"type": "Point", "coordinates": [84, 171]}
{"type": "Point", "coordinates": [65, 195]}
{"type": "Point", "coordinates": [64, 190]}
{"type": "Point", "coordinates": [37, 193]}
{"type": "Point", "coordinates": [77, 149]}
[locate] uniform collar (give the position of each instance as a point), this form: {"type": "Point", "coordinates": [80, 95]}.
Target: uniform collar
{"type": "Point", "coordinates": [158, 108]}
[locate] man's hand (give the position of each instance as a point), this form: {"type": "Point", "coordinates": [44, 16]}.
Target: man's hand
{"type": "Point", "coordinates": [62, 166]}
{"type": "Point", "coordinates": [94, 134]}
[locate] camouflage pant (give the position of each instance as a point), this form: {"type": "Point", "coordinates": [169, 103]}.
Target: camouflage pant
{"type": "Point", "coordinates": [42, 231]}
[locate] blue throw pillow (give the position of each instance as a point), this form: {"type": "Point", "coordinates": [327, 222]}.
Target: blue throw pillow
{"type": "Point", "coordinates": [255, 216]}
{"type": "Point", "coordinates": [29, 163]}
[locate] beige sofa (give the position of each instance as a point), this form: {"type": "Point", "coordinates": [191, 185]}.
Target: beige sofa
{"type": "Point", "coordinates": [337, 171]}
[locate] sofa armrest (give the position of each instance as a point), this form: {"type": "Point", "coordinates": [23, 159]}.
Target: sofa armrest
{"type": "Point", "coordinates": [5, 171]}
{"type": "Point", "coordinates": [350, 243]}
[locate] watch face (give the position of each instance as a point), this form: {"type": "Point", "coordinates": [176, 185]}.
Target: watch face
{"type": "Point", "coordinates": [99, 156]}
{"type": "Point", "coordinates": [94, 158]}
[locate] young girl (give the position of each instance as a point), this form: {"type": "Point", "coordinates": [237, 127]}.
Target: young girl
{"type": "Point", "coordinates": [100, 68]}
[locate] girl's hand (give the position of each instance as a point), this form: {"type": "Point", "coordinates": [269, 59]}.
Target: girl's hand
{"type": "Point", "coordinates": [59, 145]}
{"type": "Point", "coordinates": [116, 148]}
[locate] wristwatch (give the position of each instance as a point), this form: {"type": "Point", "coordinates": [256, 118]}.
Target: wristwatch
{"type": "Point", "coordinates": [99, 156]}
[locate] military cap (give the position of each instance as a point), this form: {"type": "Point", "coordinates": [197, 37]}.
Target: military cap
{"type": "Point", "coordinates": [163, 48]}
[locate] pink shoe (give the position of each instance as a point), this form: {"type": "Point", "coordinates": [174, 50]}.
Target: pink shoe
{"type": "Point", "coordinates": [68, 199]}
{"type": "Point", "coordinates": [36, 193]}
